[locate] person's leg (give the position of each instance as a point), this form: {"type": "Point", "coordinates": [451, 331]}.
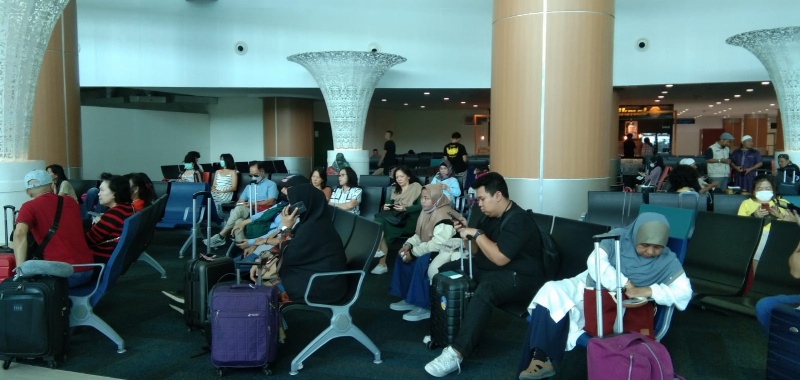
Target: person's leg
{"type": "Point", "coordinates": [238, 214]}
{"type": "Point", "coordinates": [765, 305]}
{"type": "Point", "coordinates": [419, 289]}
{"type": "Point", "coordinates": [546, 339]}
{"type": "Point", "coordinates": [401, 278]}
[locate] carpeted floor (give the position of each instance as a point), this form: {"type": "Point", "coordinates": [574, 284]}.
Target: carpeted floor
{"type": "Point", "coordinates": [703, 344]}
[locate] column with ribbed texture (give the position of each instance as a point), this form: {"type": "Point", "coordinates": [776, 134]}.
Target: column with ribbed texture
{"type": "Point", "coordinates": [552, 100]}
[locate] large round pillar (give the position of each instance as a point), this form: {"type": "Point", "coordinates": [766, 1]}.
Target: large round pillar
{"type": "Point", "coordinates": [757, 125]}
{"type": "Point", "coordinates": [552, 100]}
{"type": "Point", "coordinates": [289, 132]}
{"type": "Point", "coordinates": [56, 125]}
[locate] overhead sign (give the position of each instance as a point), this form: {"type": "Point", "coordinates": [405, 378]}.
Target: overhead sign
{"type": "Point", "coordinates": [659, 111]}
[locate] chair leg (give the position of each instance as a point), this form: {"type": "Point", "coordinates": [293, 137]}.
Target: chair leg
{"type": "Point", "coordinates": [328, 334]}
{"type": "Point", "coordinates": [194, 234]}
{"type": "Point", "coordinates": [153, 263]}
{"type": "Point", "coordinates": [82, 314]}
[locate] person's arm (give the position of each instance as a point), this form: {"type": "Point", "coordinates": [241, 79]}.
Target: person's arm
{"type": "Point", "coordinates": [214, 182]}
{"type": "Point", "coordinates": [442, 232]}
{"type": "Point", "coordinates": [327, 191]}
{"type": "Point", "coordinates": [383, 155]}
{"type": "Point", "coordinates": [234, 182]}
{"type": "Point", "coordinates": [454, 187]}
{"type": "Point", "coordinates": [608, 275]}
{"type": "Point", "coordinates": [21, 243]}
{"type": "Point", "coordinates": [272, 195]}
{"type": "Point", "coordinates": [678, 293]}
{"type": "Point", "coordinates": [354, 201]}
{"type": "Point", "coordinates": [755, 167]}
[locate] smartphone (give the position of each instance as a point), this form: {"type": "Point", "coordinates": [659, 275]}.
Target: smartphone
{"type": "Point", "coordinates": [299, 206]}
{"type": "Point", "coordinates": [765, 206]}
{"type": "Point", "coordinates": [454, 217]}
{"type": "Point", "coordinates": [92, 213]}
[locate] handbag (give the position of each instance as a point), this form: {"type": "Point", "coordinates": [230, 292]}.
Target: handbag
{"type": "Point", "coordinates": [638, 319]}
{"type": "Point", "coordinates": [395, 218]}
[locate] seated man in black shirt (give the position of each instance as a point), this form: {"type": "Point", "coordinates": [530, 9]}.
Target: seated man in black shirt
{"type": "Point", "coordinates": [507, 251]}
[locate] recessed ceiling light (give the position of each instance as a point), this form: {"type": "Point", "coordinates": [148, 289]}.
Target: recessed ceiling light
{"type": "Point", "coordinates": [426, 93]}
{"type": "Point", "coordinates": [383, 100]}
{"type": "Point", "coordinates": [726, 99]}
{"type": "Point", "coordinates": [446, 98]}
{"type": "Point", "coordinates": [421, 106]}
{"type": "Point", "coordinates": [737, 96]}
{"type": "Point", "coordinates": [669, 86]}
{"type": "Point", "coordinates": [463, 102]}
{"type": "Point", "coordinates": [475, 105]}
{"type": "Point", "coordinates": [664, 92]}
{"type": "Point", "coordinates": [749, 90]}
{"type": "Point", "coordinates": [719, 102]}
{"type": "Point", "coordinates": [405, 104]}
{"type": "Point", "coordinates": [658, 100]}
{"type": "Point", "coordinates": [765, 83]}
{"type": "Point", "coordinates": [772, 104]}
{"type": "Point", "coordinates": [661, 96]}
{"type": "Point", "coordinates": [711, 105]}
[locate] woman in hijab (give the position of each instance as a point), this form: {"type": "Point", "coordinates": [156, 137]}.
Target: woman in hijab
{"type": "Point", "coordinates": [447, 182]}
{"type": "Point", "coordinates": [649, 269]}
{"type": "Point", "coordinates": [312, 246]}
{"type": "Point", "coordinates": [338, 164]}
{"type": "Point", "coordinates": [433, 237]}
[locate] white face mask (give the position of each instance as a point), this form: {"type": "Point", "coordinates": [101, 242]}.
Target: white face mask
{"type": "Point", "coordinates": [652, 165]}
{"type": "Point", "coordinates": [764, 195]}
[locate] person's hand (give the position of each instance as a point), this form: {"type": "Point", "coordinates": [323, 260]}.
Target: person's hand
{"type": "Point", "coordinates": [254, 274]}
{"type": "Point", "coordinates": [288, 218]}
{"type": "Point", "coordinates": [399, 207]}
{"type": "Point", "coordinates": [239, 226]}
{"type": "Point", "coordinates": [634, 291]}
{"type": "Point", "coordinates": [760, 213]}
{"type": "Point", "coordinates": [243, 203]}
{"type": "Point", "coordinates": [249, 251]}
{"type": "Point", "coordinates": [95, 219]}
{"type": "Point", "coordinates": [243, 244]}
{"type": "Point", "coordinates": [774, 211]}
{"type": "Point", "coordinates": [387, 206]}
{"type": "Point", "coordinates": [714, 184]}
{"type": "Point", "coordinates": [405, 253]}
{"type": "Point", "coordinates": [467, 233]}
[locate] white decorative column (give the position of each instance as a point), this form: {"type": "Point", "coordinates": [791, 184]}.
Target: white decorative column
{"type": "Point", "coordinates": [347, 80]}
{"type": "Point", "coordinates": [779, 51]}
{"type": "Point", "coordinates": [25, 28]}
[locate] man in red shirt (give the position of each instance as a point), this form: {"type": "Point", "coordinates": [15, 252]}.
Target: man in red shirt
{"type": "Point", "coordinates": [36, 216]}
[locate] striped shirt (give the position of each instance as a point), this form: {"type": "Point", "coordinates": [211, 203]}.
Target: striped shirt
{"type": "Point", "coordinates": [103, 236]}
{"type": "Point", "coordinates": [223, 182]}
{"type": "Point", "coordinates": [340, 196]}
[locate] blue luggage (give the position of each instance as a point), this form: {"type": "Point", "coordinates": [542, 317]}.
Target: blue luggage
{"type": "Point", "coordinates": [783, 350]}
{"type": "Point", "coordinates": [244, 322]}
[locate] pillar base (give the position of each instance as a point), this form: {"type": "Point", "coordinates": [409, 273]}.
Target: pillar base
{"type": "Point", "coordinates": [566, 198]}
{"type": "Point", "coordinates": [12, 188]}
{"type": "Point", "coordinates": [358, 159]}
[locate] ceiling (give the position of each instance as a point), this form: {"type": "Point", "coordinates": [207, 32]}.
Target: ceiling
{"type": "Point", "coordinates": [705, 100]}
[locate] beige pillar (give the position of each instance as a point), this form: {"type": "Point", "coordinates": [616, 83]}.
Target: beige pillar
{"type": "Point", "coordinates": [757, 125]}
{"type": "Point", "coordinates": [56, 125]}
{"type": "Point", "coordinates": [289, 132]}
{"type": "Point", "coordinates": [552, 100]}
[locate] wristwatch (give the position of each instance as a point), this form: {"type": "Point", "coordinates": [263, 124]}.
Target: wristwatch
{"type": "Point", "coordinates": [477, 233]}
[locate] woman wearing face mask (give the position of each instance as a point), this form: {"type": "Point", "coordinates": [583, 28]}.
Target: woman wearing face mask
{"type": "Point", "coordinates": [763, 204]}
{"type": "Point", "coordinates": [190, 171]}
{"type": "Point", "coordinates": [225, 181]}
{"type": "Point", "coordinates": [656, 167]}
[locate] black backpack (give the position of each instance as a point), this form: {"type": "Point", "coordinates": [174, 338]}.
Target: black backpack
{"type": "Point", "coordinates": [551, 262]}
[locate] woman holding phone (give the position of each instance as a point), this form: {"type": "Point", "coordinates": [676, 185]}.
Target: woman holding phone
{"type": "Point", "coordinates": [763, 204]}
{"type": "Point", "coordinates": [404, 199]}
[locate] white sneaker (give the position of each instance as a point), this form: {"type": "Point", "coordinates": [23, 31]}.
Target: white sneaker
{"type": "Point", "coordinates": [445, 363]}
{"type": "Point", "coordinates": [401, 305]}
{"type": "Point", "coordinates": [216, 241]}
{"type": "Point", "coordinates": [379, 269]}
{"type": "Point", "coordinates": [379, 254]}
{"type": "Point", "coordinates": [175, 296]}
{"type": "Point", "coordinates": [176, 308]}
{"type": "Point", "coordinates": [418, 314]}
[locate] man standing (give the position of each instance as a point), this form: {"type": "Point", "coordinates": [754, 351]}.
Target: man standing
{"type": "Point", "coordinates": [388, 158]}
{"type": "Point", "coordinates": [37, 216]}
{"type": "Point", "coordinates": [456, 153]}
{"type": "Point", "coordinates": [507, 252]}
{"type": "Point", "coordinates": [745, 161]}
{"type": "Point", "coordinates": [266, 192]}
{"type": "Point", "coordinates": [718, 161]}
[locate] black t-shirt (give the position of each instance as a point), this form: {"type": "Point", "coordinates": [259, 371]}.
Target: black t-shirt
{"type": "Point", "coordinates": [519, 240]}
{"type": "Point", "coordinates": [455, 153]}
{"type": "Point", "coordinates": [390, 159]}
{"type": "Point", "coordinates": [629, 148]}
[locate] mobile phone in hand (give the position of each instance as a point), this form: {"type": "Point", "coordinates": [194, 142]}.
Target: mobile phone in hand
{"type": "Point", "coordinates": [765, 206]}
{"type": "Point", "coordinates": [299, 206]}
{"type": "Point", "coordinates": [454, 217]}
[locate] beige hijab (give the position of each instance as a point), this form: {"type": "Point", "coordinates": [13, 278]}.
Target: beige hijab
{"type": "Point", "coordinates": [430, 217]}
{"type": "Point", "coordinates": [408, 196]}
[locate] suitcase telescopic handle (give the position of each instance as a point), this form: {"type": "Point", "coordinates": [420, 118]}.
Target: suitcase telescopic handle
{"type": "Point", "coordinates": [6, 207]}
{"type": "Point", "coordinates": [201, 193]}
{"type": "Point", "coordinates": [607, 235]}
{"type": "Point", "coordinates": [250, 263]}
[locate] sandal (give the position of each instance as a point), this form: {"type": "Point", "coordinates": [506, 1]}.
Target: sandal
{"type": "Point", "coordinates": [538, 370]}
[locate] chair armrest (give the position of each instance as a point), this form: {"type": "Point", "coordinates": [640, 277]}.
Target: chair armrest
{"type": "Point", "coordinates": [99, 276]}
{"type": "Point", "coordinates": [361, 274]}
{"type": "Point", "coordinates": [661, 331]}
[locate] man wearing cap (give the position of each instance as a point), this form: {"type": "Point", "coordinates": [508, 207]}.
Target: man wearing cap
{"type": "Point", "coordinates": [718, 161]}
{"type": "Point", "coordinates": [37, 216]}
{"type": "Point", "coordinates": [265, 194]}
{"type": "Point", "coordinates": [705, 187]}
{"type": "Point", "coordinates": [745, 161]}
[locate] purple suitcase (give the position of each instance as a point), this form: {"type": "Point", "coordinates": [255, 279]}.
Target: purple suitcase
{"type": "Point", "coordinates": [244, 326]}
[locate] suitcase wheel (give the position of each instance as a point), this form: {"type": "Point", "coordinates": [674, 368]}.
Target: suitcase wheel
{"type": "Point", "coordinates": [6, 364]}
{"type": "Point", "coordinates": [267, 371]}
{"type": "Point", "coordinates": [219, 372]}
{"type": "Point", "coordinates": [429, 345]}
{"type": "Point", "coordinates": [52, 364]}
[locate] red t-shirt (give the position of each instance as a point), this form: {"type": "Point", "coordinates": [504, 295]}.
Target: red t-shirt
{"type": "Point", "coordinates": [67, 244]}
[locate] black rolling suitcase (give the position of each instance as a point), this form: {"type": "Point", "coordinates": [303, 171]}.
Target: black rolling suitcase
{"type": "Point", "coordinates": [783, 349]}
{"type": "Point", "coordinates": [202, 273]}
{"type": "Point", "coordinates": [450, 295]}
{"type": "Point", "coordinates": [34, 319]}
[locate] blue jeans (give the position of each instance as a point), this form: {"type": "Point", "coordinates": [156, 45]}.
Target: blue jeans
{"type": "Point", "coordinates": [765, 305]}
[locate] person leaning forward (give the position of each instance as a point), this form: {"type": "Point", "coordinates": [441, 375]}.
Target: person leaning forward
{"type": "Point", "coordinates": [507, 252]}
